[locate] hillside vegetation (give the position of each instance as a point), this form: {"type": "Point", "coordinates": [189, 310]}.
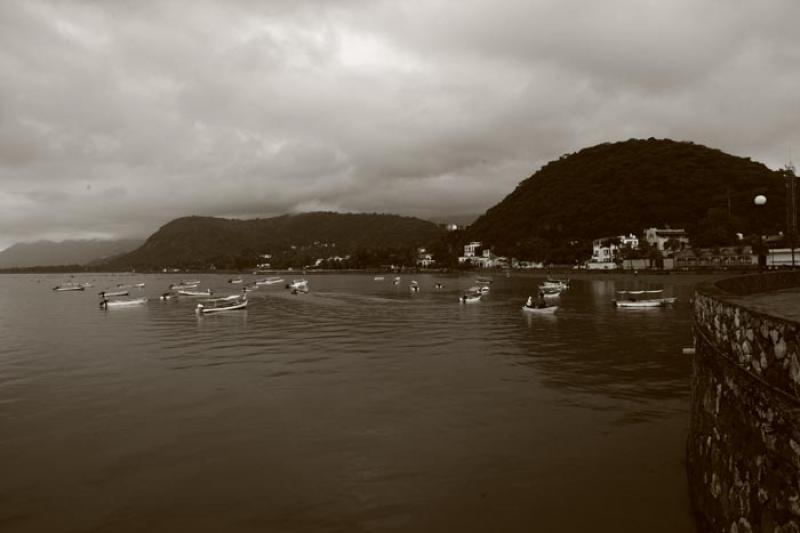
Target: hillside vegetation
{"type": "Point", "coordinates": [293, 240]}
{"type": "Point", "coordinates": [624, 187]}
{"type": "Point", "coordinates": [70, 252]}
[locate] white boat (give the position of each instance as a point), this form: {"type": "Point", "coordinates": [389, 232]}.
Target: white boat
{"type": "Point", "coordinates": [86, 285]}
{"type": "Point", "coordinates": [184, 285]}
{"type": "Point", "coordinates": [378, 278]}
{"type": "Point", "coordinates": [269, 281]}
{"type": "Point", "coordinates": [298, 285]}
{"type": "Point", "coordinates": [109, 294]}
{"type": "Point", "coordinates": [553, 286]}
{"type": "Point", "coordinates": [130, 285]}
{"type": "Point", "coordinates": [470, 297]}
{"type": "Point", "coordinates": [250, 288]}
{"type": "Point", "coordinates": [546, 310]}
{"type": "Point", "coordinates": [195, 294]}
{"type": "Point", "coordinates": [219, 305]}
{"type": "Point", "coordinates": [439, 286]}
{"type": "Point", "coordinates": [127, 302]}
{"type": "Point", "coordinates": [235, 281]}
{"type": "Point", "coordinates": [480, 289]}
{"type": "Point", "coordinates": [168, 296]}
{"type": "Point", "coordinates": [64, 287]}
{"type": "Point", "coordinates": [642, 299]}
{"type": "Point", "coordinates": [413, 286]}
{"type": "Point", "coordinates": [484, 281]}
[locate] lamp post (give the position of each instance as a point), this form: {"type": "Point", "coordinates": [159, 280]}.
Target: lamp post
{"type": "Point", "coordinates": [760, 201]}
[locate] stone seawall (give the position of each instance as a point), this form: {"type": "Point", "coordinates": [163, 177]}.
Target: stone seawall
{"type": "Point", "coordinates": [743, 449]}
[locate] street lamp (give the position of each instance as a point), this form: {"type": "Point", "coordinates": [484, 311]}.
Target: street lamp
{"type": "Point", "coordinates": [760, 200]}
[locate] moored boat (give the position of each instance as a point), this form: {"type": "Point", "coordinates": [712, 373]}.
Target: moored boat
{"type": "Point", "coordinates": [642, 299]}
{"type": "Point", "coordinates": [546, 310]}
{"type": "Point", "coordinates": [184, 285]}
{"type": "Point", "coordinates": [269, 281]}
{"type": "Point", "coordinates": [110, 294]}
{"type": "Point", "coordinates": [219, 305]}
{"type": "Point", "coordinates": [298, 285]}
{"type": "Point", "coordinates": [127, 302]}
{"type": "Point", "coordinates": [130, 285]}
{"type": "Point", "coordinates": [65, 287]}
{"type": "Point", "coordinates": [470, 297]}
{"type": "Point", "coordinates": [378, 278]}
{"type": "Point", "coordinates": [195, 294]}
{"type": "Point", "coordinates": [235, 281]}
{"type": "Point", "coordinates": [413, 286]}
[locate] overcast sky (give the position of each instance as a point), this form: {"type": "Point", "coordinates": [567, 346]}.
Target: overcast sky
{"type": "Point", "coordinates": [116, 117]}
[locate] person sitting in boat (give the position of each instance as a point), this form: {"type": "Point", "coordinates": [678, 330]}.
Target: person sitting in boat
{"type": "Point", "coordinates": [539, 303]}
{"type": "Point", "coordinates": [529, 303]}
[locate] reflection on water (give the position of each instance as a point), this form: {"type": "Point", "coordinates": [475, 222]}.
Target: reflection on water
{"type": "Point", "coordinates": [357, 406]}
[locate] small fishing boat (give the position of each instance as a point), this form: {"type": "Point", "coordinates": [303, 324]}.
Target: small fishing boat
{"type": "Point", "coordinates": [413, 286]}
{"type": "Point", "coordinates": [184, 285]}
{"type": "Point", "coordinates": [439, 286]}
{"type": "Point", "coordinates": [546, 310]}
{"type": "Point", "coordinates": [269, 281]}
{"type": "Point", "coordinates": [219, 305]}
{"type": "Point", "coordinates": [642, 299]}
{"type": "Point", "coordinates": [195, 294]}
{"type": "Point", "coordinates": [130, 285]}
{"type": "Point", "coordinates": [298, 285]}
{"type": "Point", "coordinates": [65, 287]}
{"type": "Point", "coordinates": [235, 281]}
{"type": "Point", "coordinates": [484, 281]}
{"type": "Point", "coordinates": [168, 296]}
{"type": "Point", "coordinates": [86, 285]}
{"type": "Point", "coordinates": [470, 298]}
{"type": "Point", "coordinates": [127, 302]}
{"type": "Point", "coordinates": [378, 278]}
{"type": "Point", "coordinates": [110, 294]}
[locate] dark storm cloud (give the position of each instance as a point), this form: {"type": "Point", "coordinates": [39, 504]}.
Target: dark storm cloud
{"type": "Point", "coordinates": [117, 116]}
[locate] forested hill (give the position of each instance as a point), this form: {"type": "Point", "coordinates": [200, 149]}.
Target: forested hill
{"type": "Point", "coordinates": [198, 242]}
{"type": "Point", "coordinates": [71, 252]}
{"type": "Point", "coordinates": [624, 187]}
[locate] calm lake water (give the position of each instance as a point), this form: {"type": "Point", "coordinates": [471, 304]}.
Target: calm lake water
{"type": "Point", "coordinates": [356, 407]}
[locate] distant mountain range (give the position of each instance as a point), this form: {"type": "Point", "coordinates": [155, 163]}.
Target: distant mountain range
{"type": "Point", "coordinates": [199, 242]}
{"type": "Point", "coordinates": [70, 252]}
{"type": "Point", "coordinates": [619, 188]}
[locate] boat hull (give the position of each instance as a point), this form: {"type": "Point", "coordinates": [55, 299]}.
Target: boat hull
{"type": "Point", "coordinates": [110, 304]}
{"type": "Point", "coordinates": [548, 310]}
{"type": "Point", "coordinates": [203, 310]}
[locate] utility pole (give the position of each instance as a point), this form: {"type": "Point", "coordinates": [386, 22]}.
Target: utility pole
{"type": "Point", "coordinates": [791, 207]}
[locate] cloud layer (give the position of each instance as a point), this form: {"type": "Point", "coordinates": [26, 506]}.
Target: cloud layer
{"type": "Point", "coordinates": [116, 117]}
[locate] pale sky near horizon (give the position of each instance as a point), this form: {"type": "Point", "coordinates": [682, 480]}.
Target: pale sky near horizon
{"type": "Point", "coordinates": [116, 117]}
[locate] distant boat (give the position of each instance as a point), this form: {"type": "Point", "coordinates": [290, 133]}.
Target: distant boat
{"type": "Point", "coordinates": [439, 286]}
{"type": "Point", "coordinates": [128, 302]}
{"type": "Point", "coordinates": [269, 281]}
{"type": "Point", "coordinates": [298, 285]}
{"type": "Point", "coordinates": [378, 278]}
{"type": "Point", "coordinates": [109, 294]}
{"type": "Point", "coordinates": [86, 285]}
{"type": "Point", "coordinates": [413, 286]}
{"type": "Point", "coordinates": [235, 281]}
{"type": "Point", "coordinates": [642, 299]}
{"type": "Point", "coordinates": [184, 285]}
{"type": "Point", "coordinates": [64, 287]}
{"type": "Point", "coordinates": [168, 296]}
{"type": "Point", "coordinates": [484, 281]}
{"type": "Point", "coordinates": [470, 297]}
{"type": "Point", "coordinates": [546, 310]}
{"type": "Point", "coordinates": [130, 285]}
{"type": "Point", "coordinates": [219, 305]}
{"type": "Point", "coordinates": [195, 294]}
